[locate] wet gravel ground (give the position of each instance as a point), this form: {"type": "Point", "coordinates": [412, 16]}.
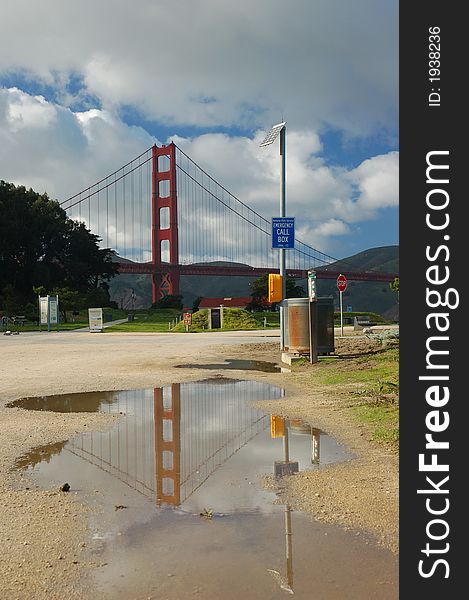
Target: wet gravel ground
{"type": "Point", "coordinates": [44, 537]}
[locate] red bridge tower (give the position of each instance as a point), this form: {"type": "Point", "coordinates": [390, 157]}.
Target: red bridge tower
{"type": "Point", "coordinates": [165, 277]}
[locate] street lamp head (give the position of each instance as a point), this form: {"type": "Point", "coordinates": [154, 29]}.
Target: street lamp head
{"type": "Point", "coordinates": [272, 134]}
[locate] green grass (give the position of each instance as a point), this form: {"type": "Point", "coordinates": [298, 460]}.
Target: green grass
{"type": "Point", "coordinates": [272, 319]}
{"type": "Point", "coordinates": [34, 327]}
{"type": "Point", "coordinates": [233, 319]}
{"type": "Point", "coordinates": [367, 375]}
{"type": "Point", "coordinates": [80, 321]}
{"type": "Point", "coordinates": [383, 421]}
{"type": "Point", "coordinates": [368, 385]}
{"type": "Point", "coordinates": [149, 321]}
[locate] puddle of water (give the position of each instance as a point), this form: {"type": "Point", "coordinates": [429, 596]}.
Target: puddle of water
{"type": "Point", "coordinates": [242, 365]}
{"type": "Point", "coordinates": [173, 439]}
{"type": "Point", "coordinates": [253, 557]}
{"type": "Point", "coordinates": [39, 455]}
{"type": "Point", "coordinates": [78, 402]}
{"type": "Point", "coordinates": [195, 449]}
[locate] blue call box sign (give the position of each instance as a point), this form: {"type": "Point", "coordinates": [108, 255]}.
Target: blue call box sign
{"type": "Point", "coordinates": [283, 232]}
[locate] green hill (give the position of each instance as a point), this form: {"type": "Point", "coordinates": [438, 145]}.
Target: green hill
{"type": "Point", "coordinates": [361, 295]}
{"type": "Point", "coordinates": [365, 295]}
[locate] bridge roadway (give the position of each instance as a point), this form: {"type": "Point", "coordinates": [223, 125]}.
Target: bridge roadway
{"type": "Point", "coordinates": [247, 271]}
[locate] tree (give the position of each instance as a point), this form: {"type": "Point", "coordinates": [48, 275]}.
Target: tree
{"type": "Point", "coordinates": [40, 247]}
{"type": "Point", "coordinates": [169, 301]}
{"type": "Point", "coordinates": [195, 305]}
{"type": "Point", "coordinates": [68, 300]}
{"type": "Point", "coordinates": [260, 292]}
{"type": "Point", "coordinates": [394, 285]}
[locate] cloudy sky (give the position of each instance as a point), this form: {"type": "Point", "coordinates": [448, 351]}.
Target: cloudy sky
{"type": "Point", "coordinates": [86, 86]}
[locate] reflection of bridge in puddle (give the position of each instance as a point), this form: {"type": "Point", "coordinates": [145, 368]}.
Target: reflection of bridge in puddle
{"type": "Point", "coordinates": [199, 445]}
{"type": "Point", "coordinates": [173, 438]}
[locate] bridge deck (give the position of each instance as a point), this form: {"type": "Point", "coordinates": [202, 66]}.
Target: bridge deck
{"type": "Point", "coordinates": [246, 271]}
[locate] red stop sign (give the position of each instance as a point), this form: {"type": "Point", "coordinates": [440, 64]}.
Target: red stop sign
{"type": "Point", "coordinates": [341, 283]}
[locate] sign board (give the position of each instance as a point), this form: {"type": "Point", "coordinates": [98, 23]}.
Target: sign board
{"type": "Point", "coordinates": [53, 310]}
{"type": "Point", "coordinates": [188, 319]}
{"type": "Point", "coordinates": [312, 285]}
{"type": "Point", "coordinates": [95, 317]}
{"type": "Point", "coordinates": [283, 232]}
{"type": "Point", "coordinates": [349, 308]}
{"type": "Point", "coordinates": [341, 283]}
{"type": "Point", "coordinates": [43, 309]}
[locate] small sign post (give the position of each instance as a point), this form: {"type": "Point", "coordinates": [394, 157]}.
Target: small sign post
{"type": "Point", "coordinates": [283, 232]}
{"type": "Point", "coordinates": [53, 311]}
{"type": "Point", "coordinates": [313, 348]}
{"type": "Point", "coordinates": [283, 238]}
{"type": "Point", "coordinates": [44, 311]}
{"type": "Point", "coordinates": [49, 311]}
{"type": "Point", "coordinates": [341, 286]}
{"type": "Point", "coordinates": [95, 317]}
{"type": "Point", "coordinates": [187, 320]}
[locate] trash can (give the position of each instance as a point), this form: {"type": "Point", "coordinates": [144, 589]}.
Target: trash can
{"type": "Point", "coordinates": [296, 320]}
{"type": "Point", "coordinates": [296, 323]}
{"type": "Point", "coordinates": [325, 327]}
{"type": "Point", "coordinates": [130, 318]}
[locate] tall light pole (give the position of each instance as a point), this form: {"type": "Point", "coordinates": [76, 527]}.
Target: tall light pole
{"type": "Point", "coordinates": [280, 128]}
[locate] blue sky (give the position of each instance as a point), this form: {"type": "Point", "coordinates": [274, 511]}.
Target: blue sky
{"type": "Point", "coordinates": [97, 83]}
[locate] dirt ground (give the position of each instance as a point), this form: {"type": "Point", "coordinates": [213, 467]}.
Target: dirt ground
{"type": "Point", "coordinates": [43, 533]}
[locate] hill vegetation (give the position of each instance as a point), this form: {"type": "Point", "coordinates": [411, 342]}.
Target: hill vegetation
{"type": "Point", "coordinates": [233, 318]}
{"type": "Point", "coordinates": [362, 296]}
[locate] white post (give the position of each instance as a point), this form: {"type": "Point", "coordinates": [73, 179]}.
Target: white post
{"type": "Point", "coordinates": [341, 316]}
{"type": "Point", "coordinates": [282, 251]}
{"type": "Point", "coordinates": [48, 312]}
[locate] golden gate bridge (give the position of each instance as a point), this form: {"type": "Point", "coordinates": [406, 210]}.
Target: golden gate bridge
{"type": "Point", "coordinates": [165, 216]}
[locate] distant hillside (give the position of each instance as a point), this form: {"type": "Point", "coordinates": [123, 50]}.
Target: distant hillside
{"type": "Point", "coordinates": [384, 259]}
{"type": "Point", "coordinates": [362, 296]}
{"type": "Point", "coordinates": [365, 295]}
{"type": "Point", "coordinates": [191, 287]}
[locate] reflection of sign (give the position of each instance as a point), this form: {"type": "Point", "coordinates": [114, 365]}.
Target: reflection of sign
{"type": "Point", "coordinates": [341, 283]}
{"type": "Point", "coordinates": [53, 310]}
{"type": "Point", "coordinates": [283, 232]}
{"type": "Point", "coordinates": [277, 426]}
{"type": "Point", "coordinates": [95, 316]}
{"type": "Point", "coordinates": [187, 318]}
{"type": "Point", "coordinates": [44, 309]}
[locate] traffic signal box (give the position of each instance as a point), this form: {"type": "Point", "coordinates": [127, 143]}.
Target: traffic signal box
{"type": "Point", "coordinates": [275, 288]}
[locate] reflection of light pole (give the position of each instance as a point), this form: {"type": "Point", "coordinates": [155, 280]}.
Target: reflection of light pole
{"type": "Point", "coordinates": [271, 136]}
{"type": "Point", "coordinates": [289, 545]}
{"type": "Point", "coordinates": [288, 529]}
{"type": "Point", "coordinates": [315, 445]}
{"type": "Point", "coordinates": [288, 585]}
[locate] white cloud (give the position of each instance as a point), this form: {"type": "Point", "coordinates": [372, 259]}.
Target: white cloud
{"type": "Point", "coordinates": [53, 149]}
{"type": "Point", "coordinates": [208, 63]}
{"type": "Point", "coordinates": [378, 181]}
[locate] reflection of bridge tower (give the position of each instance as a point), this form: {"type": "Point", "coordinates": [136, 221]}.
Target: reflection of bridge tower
{"type": "Point", "coordinates": [173, 438]}
{"type": "Point", "coordinates": [167, 407]}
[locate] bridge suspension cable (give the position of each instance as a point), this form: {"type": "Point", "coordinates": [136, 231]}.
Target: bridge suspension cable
{"type": "Point", "coordinates": [209, 224]}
